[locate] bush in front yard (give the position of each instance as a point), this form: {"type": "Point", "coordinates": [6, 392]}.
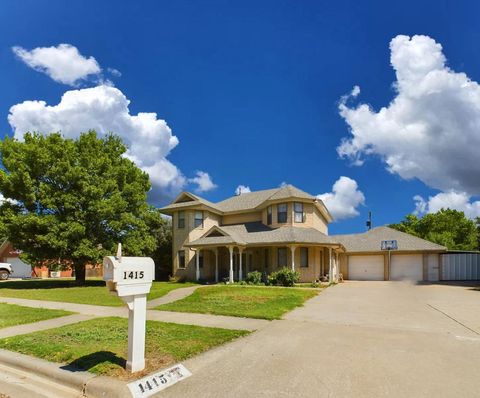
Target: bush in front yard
{"type": "Point", "coordinates": [254, 278]}
{"type": "Point", "coordinates": [284, 277]}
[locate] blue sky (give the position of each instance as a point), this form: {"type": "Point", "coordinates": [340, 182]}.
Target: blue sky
{"type": "Point", "coordinates": [251, 89]}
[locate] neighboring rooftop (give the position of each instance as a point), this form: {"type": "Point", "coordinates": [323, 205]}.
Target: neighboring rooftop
{"type": "Point", "coordinates": [370, 241]}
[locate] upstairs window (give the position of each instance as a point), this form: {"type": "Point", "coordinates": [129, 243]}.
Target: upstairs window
{"type": "Point", "coordinates": [298, 210]}
{"type": "Point", "coordinates": [304, 257]}
{"type": "Point", "coordinates": [181, 220]}
{"type": "Point", "coordinates": [282, 213]}
{"type": "Point", "coordinates": [282, 257]}
{"type": "Point", "coordinates": [198, 219]}
{"type": "Point", "coordinates": [269, 215]}
{"type": "Point", "coordinates": [181, 259]}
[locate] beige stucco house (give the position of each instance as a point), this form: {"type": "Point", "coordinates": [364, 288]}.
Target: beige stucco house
{"type": "Point", "coordinates": [286, 227]}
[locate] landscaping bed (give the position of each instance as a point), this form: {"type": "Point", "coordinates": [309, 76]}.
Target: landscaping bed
{"type": "Point", "coordinates": [100, 345]}
{"type": "Point", "coordinates": [93, 292]}
{"type": "Point", "coordinates": [13, 315]}
{"type": "Point", "coordinates": [242, 301]}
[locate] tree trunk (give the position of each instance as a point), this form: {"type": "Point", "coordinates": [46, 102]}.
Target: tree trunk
{"type": "Point", "coordinates": [79, 273]}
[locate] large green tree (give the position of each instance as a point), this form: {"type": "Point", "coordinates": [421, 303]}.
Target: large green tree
{"type": "Point", "coordinates": [74, 200]}
{"type": "Point", "coordinates": [447, 227]}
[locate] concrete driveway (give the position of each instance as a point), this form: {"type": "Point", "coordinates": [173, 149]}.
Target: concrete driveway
{"type": "Point", "coordinates": [357, 339]}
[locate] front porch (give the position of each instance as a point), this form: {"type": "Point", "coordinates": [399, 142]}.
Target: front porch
{"type": "Point", "coordinates": [233, 262]}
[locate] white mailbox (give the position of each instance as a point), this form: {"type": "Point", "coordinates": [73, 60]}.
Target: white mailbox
{"type": "Point", "coordinates": [131, 279]}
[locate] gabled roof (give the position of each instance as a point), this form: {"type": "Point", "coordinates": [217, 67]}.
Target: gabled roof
{"type": "Point", "coordinates": [249, 201]}
{"type": "Point", "coordinates": [194, 201]}
{"type": "Point", "coordinates": [245, 201]}
{"type": "Point", "coordinates": [370, 241]}
{"type": "Point", "coordinates": [256, 233]}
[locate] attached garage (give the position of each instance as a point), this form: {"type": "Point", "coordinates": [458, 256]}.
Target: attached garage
{"type": "Point", "coordinates": [365, 257]}
{"type": "Point", "coordinates": [366, 268]}
{"type": "Point", "coordinates": [20, 269]}
{"type": "Point", "coordinates": [406, 267]}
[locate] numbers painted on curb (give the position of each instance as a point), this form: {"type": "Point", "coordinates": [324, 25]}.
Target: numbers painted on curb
{"type": "Point", "coordinates": [133, 275]}
{"type": "Point", "coordinates": [156, 382]}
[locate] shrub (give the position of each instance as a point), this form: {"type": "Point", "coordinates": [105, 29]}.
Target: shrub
{"type": "Point", "coordinates": [315, 284]}
{"type": "Point", "coordinates": [254, 278]}
{"type": "Point", "coordinates": [177, 279]}
{"type": "Point", "coordinates": [284, 277]}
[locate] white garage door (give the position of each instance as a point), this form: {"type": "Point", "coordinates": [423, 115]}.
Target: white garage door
{"type": "Point", "coordinates": [19, 268]}
{"type": "Point", "coordinates": [406, 267]}
{"type": "Point", "coordinates": [365, 268]}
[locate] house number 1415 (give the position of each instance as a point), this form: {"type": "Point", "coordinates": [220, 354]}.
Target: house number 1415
{"type": "Point", "coordinates": [133, 274]}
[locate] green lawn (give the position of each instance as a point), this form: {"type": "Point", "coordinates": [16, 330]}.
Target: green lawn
{"type": "Point", "coordinates": [243, 301]}
{"type": "Point", "coordinates": [94, 292]}
{"type": "Point", "coordinates": [12, 315]}
{"type": "Point", "coordinates": [100, 345]}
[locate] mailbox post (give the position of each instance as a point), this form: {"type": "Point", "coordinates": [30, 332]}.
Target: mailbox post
{"type": "Point", "coordinates": [130, 278]}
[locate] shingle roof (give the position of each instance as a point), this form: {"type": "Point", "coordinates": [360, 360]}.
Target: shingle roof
{"type": "Point", "coordinates": [258, 233]}
{"type": "Point", "coordinates": [245, 201]}
{"type": "Point", "coordinates": [289, 191]}
{"type": "Point", "coordinates": [370, 241]}
{"type": "Point", "coordinates": [191, 203]}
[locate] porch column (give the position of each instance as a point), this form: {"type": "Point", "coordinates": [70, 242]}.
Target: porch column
{"type": "Point", "coordinates": [330, 265]}
{"type": "Point", "coordinates": [230, 249]}
{"type": "Point", "coordinates": [197, 263]}
{"type": "Point", "coordinates": [292, 250]}
{"type": "Point", "coordinates": [337, 268]}
{"type": "Point", "coordinates": [240, 276]}
{"type": "Point", "coordinates": [216, 264]}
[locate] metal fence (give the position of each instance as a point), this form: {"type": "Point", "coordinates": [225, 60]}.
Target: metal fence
{"type": "Point", "coordinates": [460, 266]}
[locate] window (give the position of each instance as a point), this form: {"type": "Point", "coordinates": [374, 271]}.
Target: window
{"type": "Point", "coordinates": [282, 213]}
{"type": "Point", "coordinates": [200, 259]}
{"type": "Point", "coordinates": [267, 254]}
{"type": "Point", "coordinates": [282, 257]}
{"type": "Point", "coordinates": [181, 259]}
{"type": "Point", "coordinates": [269, 215]}
{"type": "Point", "coordinates": [181, 219]}
{"type": "Point", "coordinates": [304, 257]}
{"type": "Point", "coordinates": [298, 209]}
{"type": "Point", "coordinates": [198, 219]}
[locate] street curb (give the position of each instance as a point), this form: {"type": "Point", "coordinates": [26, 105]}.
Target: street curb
{"type": "Point", "coordinates": [85, 383]}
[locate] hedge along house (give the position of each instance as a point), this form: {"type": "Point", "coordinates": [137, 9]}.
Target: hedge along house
{"type": "Point", "coordinates": [268, 230]}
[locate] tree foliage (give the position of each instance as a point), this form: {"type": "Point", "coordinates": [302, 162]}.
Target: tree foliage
{"type": "Point", "coordinates": [447, 227]}
{"type": "Point", "coordinates": [73, 200]}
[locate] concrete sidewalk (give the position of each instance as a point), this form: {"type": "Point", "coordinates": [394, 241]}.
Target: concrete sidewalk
{"type": "Point", "coordinates": [43, 325]}
{"type": "Point", "coordinates": [219, 321]}
{"type": "Point", "coordinates": [172, 296]}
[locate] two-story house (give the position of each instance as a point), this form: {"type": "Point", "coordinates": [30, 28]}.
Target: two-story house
{"type": "Point", "coordinates": [284, 227]}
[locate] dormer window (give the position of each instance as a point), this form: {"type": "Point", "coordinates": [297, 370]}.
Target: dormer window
{"type": "Point", "coordinates": [181, 220]}
{"type": "Point", "coordinates": [269, 215]}
{"type": "Point", "coordinates": [282, 213]}
{"type": "Point", "coordinates": [298, 210]}
{"type": "Point", "coordinates": [199, 219]}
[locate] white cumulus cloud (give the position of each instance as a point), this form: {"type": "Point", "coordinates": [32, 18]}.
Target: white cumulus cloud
{"type": "Point", "coordinates": [242, 189]}
{"type": "Point", "coordinates": [203, 181]}
{"type": "Point", "coordinates": [105, 109]}
{"type": "Point", "coordinates": [430, 130]}
{"type": "Point", "coordinates": [63, 63]}
{"type": "Point", "coordinates": [344, 199]}
{"type": "Point", "coordinates": [447, 200]}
